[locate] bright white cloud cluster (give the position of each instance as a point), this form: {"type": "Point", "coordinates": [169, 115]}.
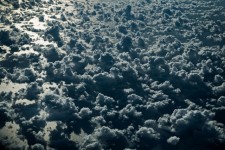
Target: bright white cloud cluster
{"type": "Point", "coordinates": [112, 75]}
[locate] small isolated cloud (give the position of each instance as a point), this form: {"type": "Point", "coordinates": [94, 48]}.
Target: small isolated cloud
{"type": "Point", "coordinates": [173, 140]}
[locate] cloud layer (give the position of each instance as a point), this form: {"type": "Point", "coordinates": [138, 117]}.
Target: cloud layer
{"type": "Point", "coordinates": [112, 75]}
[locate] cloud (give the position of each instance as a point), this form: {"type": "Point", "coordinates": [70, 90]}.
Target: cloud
{"type": "Point", "coordinates": [55, 103]}
{"type": "Point", "coordinates": [134, 99]}
{"type": "Point", "coordinates": [60, 141]}
{"type": "Point", "coordinates": [106, 60]}
{"type": "Point", "coordinates": [3, 72]}
{"type": "Point", "coordinates": [37, 147]}
{"type": "Point", "coordinates": [32, 91]}
{"type": "Point", "coordinates": [185, 120]}
{"type": "Point", "coordinates": [145, 134]}
{"type": "Point", "coordinates": [221, 100]}
{"type": "Point", "coordinates": [125, 44]}
{"type": "Point", "coordinates": [85, 112]}
{"type": "Point", "coordinates": [129, 111]}
{"type": "Point", "coordinates": [5, 37]}
{"type": "Point", "coordinates": [5, 115]}
{"type": "Point", "coordinates": [92, 146]}
{"type": "Point", "coordinates": [114, 74]}
{"type": "Point", "coordinates": [110, 138]}
{"type": "Point", "coordinates": [219, 89]}
{"type": "Point", "coordinates": [122, 29]}
{"type": "Point", "coordinates": [173, 140]}
{"type": "Point", "coordinates": [52, 54]}
{"type": "Point", "coordinates": [104, 100]}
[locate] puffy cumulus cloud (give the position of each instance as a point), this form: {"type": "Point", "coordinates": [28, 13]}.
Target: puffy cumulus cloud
{"type": "Point", "coordinates": [155, 109]}
{"type": "Point", "coordinates": [89, 142]}
{"type": "Point", "coordinates": [185, 120]}
{"type": "Point", "coordinates": [52, 53]}
{"type": "Point", "coordinates": [128, 12]}
{"type": "Point", "coordinates": [61, 141]}
{"type": "Point", "coordinates": [125, 44]}
{"type": "Point", "coordinates": [53, 33]}
{"type": "Point", "coordinates": [218, 79]}
{"type": "Point", "coordinates": [32, 131]}
{"type": "Point", "coordinates": [24, 39]}
{"type": "Point", "coordinates": [141, 42]}
{"type": "Point", "coordinates": [37, 147]}
{"type": "Point", "coordinates": [14, 62]}
{"type": "Point", "coordinates": [105, 82]}
{"type": "Point", "coordinates": [147, 138]}
{"type": "Point", "coordinates": [104, 100]}
{"type": "Point", "coordinates": [5, 115]}
{"type": "Point", "coordinates": [5, 37]}
{"type": "Point", "coordinates": [111, 138]}
{"type": "Point", "coordinates": [99, 120]}
{"type": "Point", "coordinates": [134, 99]}
{"type": "Point", "coordinates": [79, 92]}
{"type": "Point", "coordinates": [147, 133]}
{"type": "Point", "coordinates": [173, 140]}
{"type": "Point", "coordinates": [58, 71]}
{"type": "Point", "coordinates": [166, 86]}
{"type": "Point", "coordinates": [3, 73]}
{"type": "Point", "coordinates": [219, 90]}
{"type": "Point", "coordinates": [30, 74]}
{"type": "Point", "coordinates": [32, 91]}
{"type": "Point", "coordinates": [129, 111]}
{"type": "Point", "coordinates": [195, 123]}
{"type": "Point", "coordinates": [106, 60]}
{"type": "Point", "coordinates": [119, 75]}
{"type": "Point", "coordinates": [128, 72]}
{"type": "Point", "coordinates": [100, 43]}
{"type": "Point", "coordinates": [26, 111]}
{"type": "Point", "coordinates": [194, 77]}
{"type": "Point", "coordinates": [6, 96]}
{"type": "Point", "coordinates": [221, 100]}
{"type": "Point", "coordinates": [94, 145]}
{"type": "Point", "coordinates": [76, 62]}
{"type": "Point", "coordinates": [122, 29]}
{"type": "Point", "coordinates": [55, 103]}
{"type": "Point", "coordinates": [150, 123]}
{"type": "Point", "coordinates": [159, 96]}
{"type": "Point", "coordinates": [85, 112]}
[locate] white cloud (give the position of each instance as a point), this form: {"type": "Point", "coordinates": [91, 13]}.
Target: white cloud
{"type": "Point", "coordinates": [173, 140]}
{"type": "Point", "coordinates": [125, 75]}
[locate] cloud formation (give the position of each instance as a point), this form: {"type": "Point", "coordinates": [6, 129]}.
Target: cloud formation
{"type": "Point", "coordinates": [112, 75]}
